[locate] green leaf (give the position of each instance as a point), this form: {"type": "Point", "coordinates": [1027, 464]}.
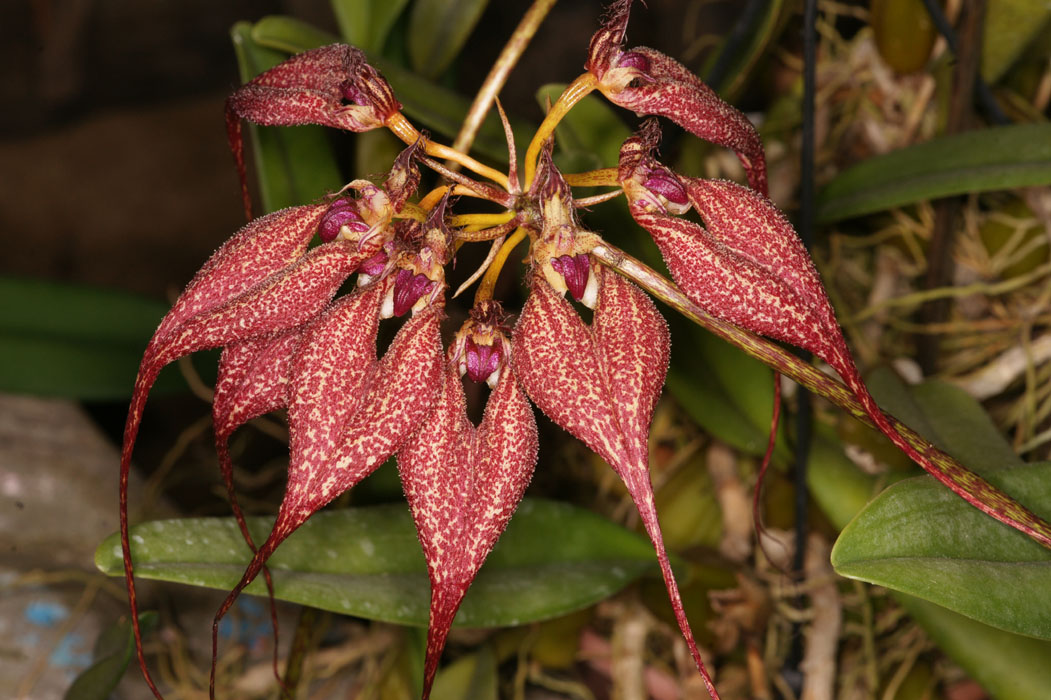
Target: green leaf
{"type": "Point", "coordinates": [728, 393]}
{"type": "Point", "coordinates": [1008, 666]}
{"type": "Point", "coordinates": [438, 30]}
{"type": "Point", "coordinates": [294, 164]}
{"type": "Point", "coordinates": [948, 417]}
{"type": "Point", "coordinates": [840, 489]}
{"type": "Point", "coordinates": [113, 652]}
{"type": "Point", "coordinates": [591, 128]}
{"type": "Point", "coordinates": [367, 23]}
{"type": "Point", "coordinates": [471, 677]}
{"type": "Point", "coordinates": [997, 158]}
{"type": "Point", "coordinates": [746, 50]}
{"type": "Point", "coordinates": [919, 538]}
{"type": "Point", "coordinates": [554, 558]}
{"type": "Point", "coordinates": [1010, 26]}
{"type": "Point", "coordinates": [75, 341]}
{"type": "Point", "coordinates": [288, 35]}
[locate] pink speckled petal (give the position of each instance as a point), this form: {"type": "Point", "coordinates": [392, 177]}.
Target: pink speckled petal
{"type": "Point", "coordinates": [257, 284]}
{"type": "Point", "coordinates": [601, 384]}
{"type": "Point", "coordinates": [253, 380]}
{"type": "Point", "coordinates": [398, 393]}
{"type": "Point", "coordinates": [261, 248]}
{"type": "Point", "coordinates": [463, 484]}
{"type": "Point", "coordinates": [679, 95]}
{"type": "Point", "coordinates": [330, 376]}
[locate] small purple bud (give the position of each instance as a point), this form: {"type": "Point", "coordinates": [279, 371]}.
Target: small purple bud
{"type": "Point", "coordinates": [666, 185]}
{"type": "Point", "coordinates": [482, 360]}
{"type": "Point", "coordinates": [633, 59]}
{"type": "Point", "coordinates": [575, 269]}
{"type": "Point", "coordinates": [374, 265]}
{"type": "Point", "coordinates": [340, 214]}
{"type": "Point", "coordinates": [408, 288]}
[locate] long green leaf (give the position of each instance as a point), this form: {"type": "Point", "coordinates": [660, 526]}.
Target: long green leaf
{"type": "Point", "coordinates": [75, 341]}
{"type": "Point", "coordinates": [113, 652]}
{"type": "Point", "coordinates": [728, 393]}
{"type": "Point", "coordinates": [289, 35]}
{"type": "Point", "coordinates": [438, 30]}
{"type": "Point", "coordinates": [553, 559]}
{"type": "Point", "coordinates": [990, 159]}
{"type": "Point", "coordinates": [948, 417]}
{"type": "Point", "coordinates": [746, 51]}
{"type": "Point", "coordinates": [918, 538]}
{"type": "Point", "coordinates": [366, 23]}
{"type": "Point", "coordinates": [1009, 666]}
{"type": "Point", "coordinates": [294, 164]}
{"type": "Point", "coordinates": [1010, 26]}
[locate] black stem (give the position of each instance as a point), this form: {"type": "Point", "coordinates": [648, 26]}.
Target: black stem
{"type": "Point", "coordinates": [981, 88]}
{"type": "Point", "coordinates": [804, 411]}
{"type": "Point", "coordinates": [732, 46]}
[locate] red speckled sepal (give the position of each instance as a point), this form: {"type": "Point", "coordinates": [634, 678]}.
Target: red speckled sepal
{"type": "Point", "coordinates": [649, 82]}
{"type": "Point", "coordinates": [601, 384]}
{"type": "Point", "coordinates": [331, 86]}
{"type": "Point", "coordinates": [463, 484]}
{"type": "Point", "coordinates": [355, 430]}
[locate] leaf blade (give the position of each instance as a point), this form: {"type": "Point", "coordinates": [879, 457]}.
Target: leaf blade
{"type": "Point", "coordinates": [990, 159]}
{"type": "Point", "coordinates": [917, 538]}
{"type": "Point", "coordinates": [438, 30]}
{"type": "Point", "coordinates": [113, 653]}
{"type": "Point", "coordinates": [366, 23]}
{"type": "Point", "coordinates": [73, 340]}
{"type": "Point", "coordinates": [552, 559]}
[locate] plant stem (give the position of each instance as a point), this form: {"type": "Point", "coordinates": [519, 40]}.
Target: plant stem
{"type": "Point", "coordinates": [575, 92]}
{"type": "Point", "coordinates": [961, 480]}
{"type": "Point", "coordinates": [404, 130]}
{"type": "Point", "coordinates": [300, 646]}
{"type": "Point", "coordinates": [501, 69]}
{"type": "Point", "coordinates": [473, 188]}
{"type": "Point", "coordinates": [597, 199]}
{"type": "Point", "coordinates": [433, 197]}
{"type": "Point", "coordinates": [485, 220]}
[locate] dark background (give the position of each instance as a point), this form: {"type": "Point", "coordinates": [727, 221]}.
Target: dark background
{"type": "Point", "coordinates": [113, 159]}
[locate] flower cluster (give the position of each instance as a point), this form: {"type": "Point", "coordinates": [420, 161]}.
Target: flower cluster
{"type": "Point", "coordinates": [269, 300]}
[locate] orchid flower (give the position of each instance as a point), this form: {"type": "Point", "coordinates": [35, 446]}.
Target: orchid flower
{"type": "Point", "coordinates": [270, 301]}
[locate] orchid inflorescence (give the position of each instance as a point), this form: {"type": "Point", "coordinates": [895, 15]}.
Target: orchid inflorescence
{"type": "Point", "coordinates": [267, 298]}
